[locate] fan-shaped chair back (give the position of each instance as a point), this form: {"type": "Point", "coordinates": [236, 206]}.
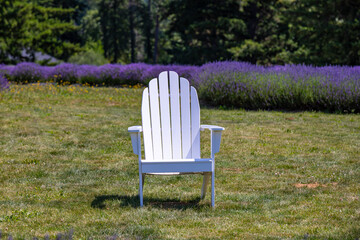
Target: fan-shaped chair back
{"type": "Point", "coordinates": [170, 118]}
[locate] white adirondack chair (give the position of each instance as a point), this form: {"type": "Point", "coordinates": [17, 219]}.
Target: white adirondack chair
{"type": "Point", "coordinates": [171, 130]}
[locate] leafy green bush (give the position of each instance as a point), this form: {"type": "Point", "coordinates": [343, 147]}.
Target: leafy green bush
{"type": "Point", "coordinates": [89, 57]}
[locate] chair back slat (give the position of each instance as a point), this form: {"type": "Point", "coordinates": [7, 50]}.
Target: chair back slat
{"type": "Point", "coordinates": [146, 125]}
{"type": "Point", "coordinates": [195, 124]}
{"type": "Point", "coordinates": [155, 119]}
{"type": "Point", "coordinates": [165, 115]}
{"type": "Point", "coordinates": [185, 118]}
{"type": "Point", "coordinates": [171, 118]}
{"type": "Point", "coordinates": [175, 115]}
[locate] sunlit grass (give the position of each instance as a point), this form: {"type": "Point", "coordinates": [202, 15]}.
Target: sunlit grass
{"type": "Point", "coordinates": [66, 163]}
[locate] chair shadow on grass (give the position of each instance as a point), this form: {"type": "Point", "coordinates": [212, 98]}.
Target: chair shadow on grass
{"type": "Point", "coordinates": [133, 201]}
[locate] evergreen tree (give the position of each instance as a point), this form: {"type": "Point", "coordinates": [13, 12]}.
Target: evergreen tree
{"type": "Point", "coordinates": [14, 23]}
{"type": "Point", "coordinates": [51, 34]}
{"type": "Point", "coordinates": [327, 31]}
{"type": "Point", "coordinates": [203, 31]}
{"type": "Point", "coordinates": [267, 38]}
{"type": "Point", "coordinates": [27, 26]}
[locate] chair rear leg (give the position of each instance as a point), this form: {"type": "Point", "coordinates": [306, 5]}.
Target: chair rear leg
{"type": "Point", "coordinates": [143, 180]}
{"type": "Point", "coordinates": [205, 184]}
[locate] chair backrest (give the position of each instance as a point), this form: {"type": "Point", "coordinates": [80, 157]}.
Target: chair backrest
{"type": "Point", "coordinates": [170, 118]}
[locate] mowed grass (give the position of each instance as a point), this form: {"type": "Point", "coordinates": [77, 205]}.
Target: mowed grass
{"type": "Point", "coordinates": [66, 163]}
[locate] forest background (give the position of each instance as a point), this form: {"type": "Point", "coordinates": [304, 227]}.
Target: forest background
{"type": "Point", "coordinates": [316, 32]}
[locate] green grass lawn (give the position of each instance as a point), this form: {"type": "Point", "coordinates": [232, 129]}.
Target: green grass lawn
{"type": "Point", "coordinates": [66, 163]}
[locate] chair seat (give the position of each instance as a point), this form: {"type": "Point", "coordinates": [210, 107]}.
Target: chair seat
{"type": "Point", "coordinates": [176, 166]}
{"type": "Point", "coordinates": [174, 173]}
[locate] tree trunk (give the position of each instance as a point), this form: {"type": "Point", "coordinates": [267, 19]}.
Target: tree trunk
{"type": "Point", "coordinates": [132, 31]}
{"type": "Point", "coordinates": [103, 25]}
{"type": "Point", "coordinates": [253, 20]}
{"type": "Point", "coordinates": [114, 31]}
{"type": "Point", "coordinates": [156, 38]}
{"type": "Point", "coordinates": [148, 27]}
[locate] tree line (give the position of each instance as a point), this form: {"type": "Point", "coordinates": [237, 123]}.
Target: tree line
{"type": "Point", "coordinates": [267, 32]}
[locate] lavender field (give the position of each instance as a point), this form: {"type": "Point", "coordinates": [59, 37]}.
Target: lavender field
{"type": "Point", "coordinates": [223, 84]}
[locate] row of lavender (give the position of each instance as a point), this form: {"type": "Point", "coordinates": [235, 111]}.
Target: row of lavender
{"type": "Point", "coordinates": [292, 87]}
{"type": "Point", "coordinates": [229, 84]}
{"type": "Point", "coordinates": [109, 74]}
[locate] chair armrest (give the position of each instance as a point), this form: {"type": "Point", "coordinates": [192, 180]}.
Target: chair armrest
{"type": "Point", "coordinates": [211, 128]}
{"type": "Point", "coordinates": [135, 129]}
{"type": "Point", "coordinates": [135, 138]}
{"type": "Point", "coordinates": [215, 137]}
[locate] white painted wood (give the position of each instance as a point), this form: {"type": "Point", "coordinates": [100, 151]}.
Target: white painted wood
{"type": "Point", "coordinates": [215, 141]}
{"type": "Point", "coordinates": [146, 125]}
{"type": "Point", "coordinates": [135, 133]}
{"type": "Point", "coordinates": [164, 174]}
{"type": "Point", "coordinates": [171, 127]}
{"type": "Point", "coordinates": [211, 127]}
{"type": "Point", "coordinates": [195, 124]}
{"type": "Point", "coordinates": [189, 160]}
{"type": "Point", "coordinates": [175, 115]}
{"type": "Point", "coordinates": [139, 150]}
{"type": "Point", "coordinates": [213, 188]}
{"type": "Point", "coordinates": [155, 119]}
{"type": "Point", "coordinates": [181, 166]}
{"type": "Point", "coordinates": [141, 188]}
{"type": "Point", "coordinates": [205, 184]}
{"type": "Point", "coordinates": [165, 115]}
{"type": "Point", "coordinates": [135, 129]}
{"type": "Point", "coordinates": [141, 175]}
{"type": "Point", "coordinates": [185, 118]}
{"type": "Point", "coordinates": [143, 179]}
{"type": "Point", "coordinates": [134, 142]}
{"type": "Point", "coordinates": [216, 132]}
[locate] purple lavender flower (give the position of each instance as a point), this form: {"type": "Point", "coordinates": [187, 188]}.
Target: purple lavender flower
{"type": "Point", "coordinates": [4, 84]}
{"type": "Point", "coordinates": [228, 83]}
{"type": "Point", "coordinates": [293, 87]}
{"type": "Point", "coordinates": [65, 72]}
{"type": "Point", "coordinates": [26, 72]}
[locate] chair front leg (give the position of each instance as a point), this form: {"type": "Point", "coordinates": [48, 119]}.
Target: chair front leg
{"type": "Point", "coordinates": [213, 189]}
{"type": "Point", "coordinates": [141, 184]}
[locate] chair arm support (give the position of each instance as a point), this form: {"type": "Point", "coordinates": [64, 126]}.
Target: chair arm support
{"type": "Point", "coordinates": [135, 138]}
{"type": "Point", "coordinates": [135, 129]}
{"type": "Point", "coordinates": [211, 128]}
{"type": "Point", "coordinates": [215, 137]}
